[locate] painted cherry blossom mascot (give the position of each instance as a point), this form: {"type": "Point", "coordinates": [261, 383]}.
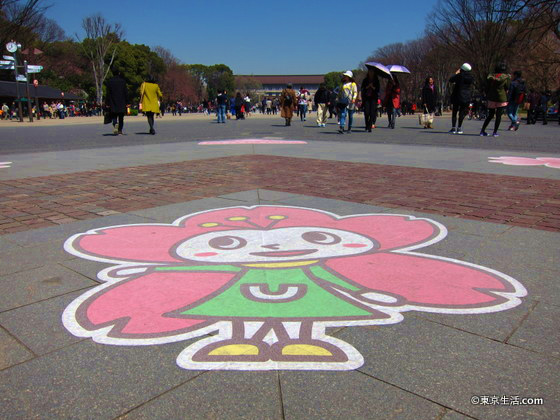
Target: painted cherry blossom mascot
{"type": "Point", "coordinates": [264, 282]}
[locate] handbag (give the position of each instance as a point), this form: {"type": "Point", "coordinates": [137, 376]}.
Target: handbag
{"type": "Point", "coordinates": [107, 117]}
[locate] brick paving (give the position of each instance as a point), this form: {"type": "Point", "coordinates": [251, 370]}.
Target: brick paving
{"type": "Point", "coordinates": [32, 203]}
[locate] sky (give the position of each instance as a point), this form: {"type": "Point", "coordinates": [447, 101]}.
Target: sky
{"type": "Point", "coordinates": [258, 37]}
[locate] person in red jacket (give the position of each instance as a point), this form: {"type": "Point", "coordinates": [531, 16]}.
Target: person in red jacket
{"type": "Point", "coordinates": [392, 99]}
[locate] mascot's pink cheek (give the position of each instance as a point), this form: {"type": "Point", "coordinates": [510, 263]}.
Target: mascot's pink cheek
{"type": "Point", "coordinates": [354, 245]}
{"type": "Point", "coordinates": [206, 254]}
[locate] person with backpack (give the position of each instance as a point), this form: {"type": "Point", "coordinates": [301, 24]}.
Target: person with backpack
{"type": "Point", "coordinates": [346, 101]}
{"type": "Point", "coordinates": [288, 103]}
{"type": "Point", "coordinates": [498, 84]}
{"type": "Point", "coordinates": [516, 96]}
{"type": "Point", "coordinates": [460, 97]}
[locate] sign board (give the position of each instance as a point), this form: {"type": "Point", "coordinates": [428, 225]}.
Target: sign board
{"type": "Point", "coordinates": [21, 78]}
{"type": "Point", "coordinates": [6, 63]}
{"type": "Point", "coordinates": [34, 69]}
{"type": "Point", "coordinates": [4, 67]}
{"type": "Point", "coordinates": [8, 57]}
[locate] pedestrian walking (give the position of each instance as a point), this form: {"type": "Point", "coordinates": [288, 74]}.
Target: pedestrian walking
{"type": "Point", "coordinates": [516, 96]}
{"type": "Point", "coordinates": [116, 100]}
{"type": "Point", "coordinates": [346, 101]}
{"type": "Point", "coordinates": [369, 91]}
{"type": "Point", "coordinates": [322, 101]}
{"type": "Point", "coordinates": [532, 104]}
{"type": "Point", "coordinates": [429, 101]}
{"type": "Point", "coordinates": [543, 107]}
{"type": "Point", "coordinates": [497, 87]}
{"type": "Point", "coordinates": [221, 102]}
{"type": "Point", "coordinates": [302, 97]}
{"type": "Point", "coordinates": [288, 103]}
{"type": "Point", "coordinates": [150, 94]}
{"type": "Point", "coordinates": [392, 99]}
{"type": "Point", "coordinates": [460, 97]}
{"type": "Point", "coordinates": [333, 94]}
{"type": "Point", "coordinates": [238, 106]}
{"type": "Point", "coordinates": [247, 105]}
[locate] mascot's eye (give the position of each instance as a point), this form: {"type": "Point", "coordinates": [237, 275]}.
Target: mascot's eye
{"type": "Point", "coordinates": [227, 242]}
{"type": "Point", "coordinates": [321, 238]}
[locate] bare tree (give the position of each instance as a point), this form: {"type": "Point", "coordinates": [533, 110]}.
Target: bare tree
{"type": "Point", "coordinates": [17, 18]}
{"type": "Point", "coordinates": [167, 56]}
{"type": "Point", "coordinates": [485, 32]}
{"type": "Point", "coordinates": [100, 46]}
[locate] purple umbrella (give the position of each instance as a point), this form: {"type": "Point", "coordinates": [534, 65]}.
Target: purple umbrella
{"type": "Point", "coordinates": [380, 69]}
{"type": "Point", "coordinates": [396, 68]}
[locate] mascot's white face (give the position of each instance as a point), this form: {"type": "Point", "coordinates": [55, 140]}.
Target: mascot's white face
{"type": "Point", "coordinates": [274, 245]}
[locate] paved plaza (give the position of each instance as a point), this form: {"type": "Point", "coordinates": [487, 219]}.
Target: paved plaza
{"type": "Point", "coordinates": [291, 273]}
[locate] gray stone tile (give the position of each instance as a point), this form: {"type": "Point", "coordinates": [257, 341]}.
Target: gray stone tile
{"type": "Point", "coordinates": [37, 255]}
{"type": "Point", "coordinates": [453, 415]}
{"type": "Point", "coordinates": [448, 367]}
{"type": "Point", "coordinates": [38, 284]}
{"type": "Point", "coordinates": [39, 325]}
{"type": "Point", "coordinates": [7, 246]}
{"type": "Point", "coordinates": [89, 381]}
{"type": "Point", "coordinates": [497, 325]}
{"type": "Point", "coordinates": [11, 352]}
{"type": "Point", "coordinates": [540, 331]}
{"type": "Point", "coordinates": [456, 224]}
{"type": "Point", "coordinates": [171, 212]}
{"type": "Point", "coordinates": [218, 395]}
{"type": "Point", "coordinates": [250, 195]}
{"type": "Point", "coordinates": [547, 244]}
{"type": "Point", "coordinates": [349, 395]}
{"type": "Point", "coordinates": [85, 267]}
{"type": "Point", "coordinates": [64, 231]}
{"type": "Point", "coordinates": [342, 208]}
{"type": "Point", "coordinates": [269, 195]}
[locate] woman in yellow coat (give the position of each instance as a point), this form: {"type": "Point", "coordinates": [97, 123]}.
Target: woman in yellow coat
{"type": "Point", "coordinates": [150, 95]}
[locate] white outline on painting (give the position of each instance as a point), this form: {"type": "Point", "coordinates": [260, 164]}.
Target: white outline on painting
{"type": "Point", "coordinates": [121, 270]}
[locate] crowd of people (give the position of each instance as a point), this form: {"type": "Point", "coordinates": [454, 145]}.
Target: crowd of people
{"type": "Point", "coordinates": [50, 110]}
{"type": "Point", "coordinates": [504, 94]}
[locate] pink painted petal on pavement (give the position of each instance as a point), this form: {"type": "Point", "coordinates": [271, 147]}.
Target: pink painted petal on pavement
{"type": "Point", "coordinates": [251, 141]}
{"type": "Point", "coordinates": [550, 162]}
{"type": "Point", "coordinates": [139, 306]}
{"type": "Point", "coordinates": [516, 161]}
{"type": "Point", "coordinates": [423, 281]}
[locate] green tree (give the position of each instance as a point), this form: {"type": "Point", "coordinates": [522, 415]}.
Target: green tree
{"type": "Point", "coordinates": [332, 79]}
{"type": "Point", "coordinates": [212, 78]}
{"type": "Point", "coordinates": [137, 62]}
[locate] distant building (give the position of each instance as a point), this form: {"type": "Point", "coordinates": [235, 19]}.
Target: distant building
{"type": "Point", "coordinates": [272, 85]}
{"type": "Point", "coordinates": [8, 93]}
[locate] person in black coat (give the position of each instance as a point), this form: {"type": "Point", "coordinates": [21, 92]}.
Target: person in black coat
{"type": "Point", "coordinates": [429, 97]}
{"type": "Point", "coordinates": [370, 94]}
{"type": "Point", "coordinates": [116, 100]}
{"type": "Point", "coordinates": [321, 99]}
{"type": "Point", "coordinates": [238, 104]}
{"type": "Point", "coordinates": [461, 96]}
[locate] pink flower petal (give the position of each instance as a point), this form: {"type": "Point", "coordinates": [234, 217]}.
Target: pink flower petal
{"type": "Point", "coordinates": [251, 141]}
